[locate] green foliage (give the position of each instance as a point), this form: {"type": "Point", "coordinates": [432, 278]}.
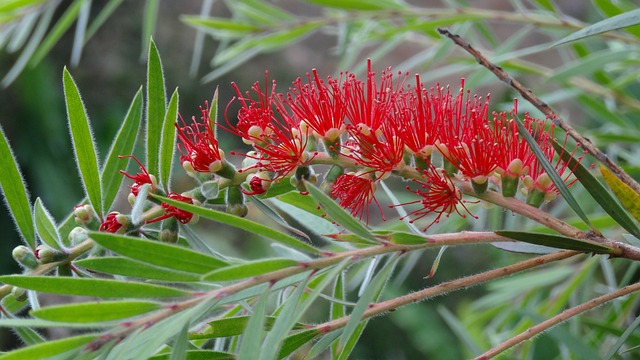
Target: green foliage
{"type": "Point", "coordinates": [174, 289]}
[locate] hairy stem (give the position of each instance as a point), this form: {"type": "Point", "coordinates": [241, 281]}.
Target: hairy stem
{"type": "Point", "coordinates": [543, 107]}
{"type": "Point", "coordinates": [563, 316]}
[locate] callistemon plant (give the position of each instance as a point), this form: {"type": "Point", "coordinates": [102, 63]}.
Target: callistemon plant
{"type": "Point", "coordinates": [353, 173]}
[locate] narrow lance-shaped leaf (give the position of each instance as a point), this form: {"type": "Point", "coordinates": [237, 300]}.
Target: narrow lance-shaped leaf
{"type": "Point", "coordinates": [156, 107]}
{"type": "Point", "coordinates": [45, 225]}
{"type": "Point", "coordinates": [168, 141]}
{"type": "Point", "coordinates": [159, 254]}
{"type": "Point", "coordinates": [122, 145]}
{"type": "Point", "coordinates": [629, 18]}
{"type": "Point", "coordinates": [253, 333]}
{"type": "Point", "coordinates": [15, 192]}
{"type": "Point", "coordinates": [90, 287]}
{"type": "Point", "coordinates": [627, 196]}
{"type": "Point", "coordinates": [241, 223]}
{"type": "Point", "coordinates": [129, 267]}
{"type": "Point", "coordinates": [83, 144]}
{"type": "Point", "coordinates": [556, 241]}
{"type": "Point", "coordinates": [551, 171]}
{"type": "Point", "coordinates": [95, 311]}
{"type": "Point", "coordinates": [50, 348]}
{"type": "Point", "coordinates": [338, 214]}
{"type": "Point", "coordinates": [600, 193]}
{"type": "Point", "coordinates": [248, 269]}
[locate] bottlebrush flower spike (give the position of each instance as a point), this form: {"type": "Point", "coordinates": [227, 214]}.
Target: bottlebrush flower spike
{"type": "Point", "coordinates": [355, 192]}
{"type": "Point", "coordinates": [466, 140]}
{"type": "Point", "coordinates": [140, 178]}
{"type": "Point", "coordinates": [439, 195]}
{"type": "Point", "coordinates": [114, 223]}
{"type": "Point", "coordinates": [276, 136]}
{"type": "Point", "coordinates": [198, 145]}
{"type": "Point", "coordinates": [171, 211]}
{"type": "Point", "coordinates": [381, 152]}
{"type": "Point", "coordinates": [369, 106]}
{"type": "Point", "coordinates": [320, 105]}
{"type": "Point", "coordinates": [416, 122]}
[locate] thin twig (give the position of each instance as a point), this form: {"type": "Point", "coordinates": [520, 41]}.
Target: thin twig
{"type": "Point", "coordinates": [544, 107]}
{"type": "Point", "coordinates": [563, 316]}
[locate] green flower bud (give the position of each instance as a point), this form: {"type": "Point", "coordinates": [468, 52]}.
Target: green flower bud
{"type": "Point", "coordinates": [47, 254]}
{"type": "Point", "coordinates": [19, 293]}
{"type": "Point", "coordinates": [78, 235]}
{"type": "Point", "coordinates": [169, 231]}
{"type": "Point", "coordinates": [25, 257]}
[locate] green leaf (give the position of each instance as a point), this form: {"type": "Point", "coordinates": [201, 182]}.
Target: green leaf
{"type": "Point", "coordinates": [156, 107]}
{"type": "Point", "coordinates": [629, 198]}
{"type": "Point", "coordinates": [629, 18]}
{"type": "Point", "coordinates": [45, 225]}
{"type": "Point", "coordinates": [241, 223]}
{"type": "Point", "coordinates": [293, 342]}
{"type": "Point", "coordinates": [217, 24]}
{"type": "Point", "coordinates": [599, 192]}
{"type": "Point", "coordinates": [128, 267]}
{"type": "Point", "coordinates": [181, 344]}
{"type": "Point", "coordinates": [248, 269]}
{"type": "Point", "coordinates": [95, 311]}
{"type": "Point", "coordinates": [556, 241]}
{"type": "Point", "coordinates": [338, 214]}
{"type": "Point", "coordinates": [15, 192]}
{"type": "Point", "coordinates": [83, 144]}
{"type": "Point", "coordinates": [63, 24]}
{"type": "Point", "coordinates": [364, 5]}
{"type": "Point", "coordinates": [90, 287]}
{"type": "Point", "coordinates": [356, 324]}
{"type": "Point", "coordinates": [48, 349]}
{"type": "Point", "coordinates": [253, 333]}
{"type": "Point", "coordinates": [551, 171]}
{"type": "Point", "coordinates": [160, 254]}
{"type": "Point", "coordinates": [233, 326]}
{"type": "Point", "coordinates": [168, 141]}
{"type": "Point", "coordinates": [200, 355]}
{"type": "Point", "coordinates": [338, 310]}
{"type": "Point", "coordinates": [26, 334]}
{"type": "Point", "coordinates": [323, 343]}
{"type": "Point", "coordinates": [406, 238]}
{"type": "Point", "coordinates": [122, 145]}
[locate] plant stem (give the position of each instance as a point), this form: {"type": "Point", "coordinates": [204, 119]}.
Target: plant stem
{"type": "Point", "coordinates": [563, 316]}
{"type": "Point", "coordinates": [543, 107]}
{"type": "Point", "coordinates": [443, 288]}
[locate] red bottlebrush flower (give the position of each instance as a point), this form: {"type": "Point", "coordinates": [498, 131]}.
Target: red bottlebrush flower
{"type": "Point", "coordinates": [275, 135]}
{"type": "Point", "coordinates": [171, 211]}
{"type": "Point", "coordinates": [114, 223]}
{"type": "Point", "coordinates": [416, 121]}
{"type": "Point", "coordinates": [381, 152]}
{"type": "Point", "coordinates": [319, 105]}
{"type": "Point", "coordinates": [198, 145]}
{"type": "Point", "coordinates": [258, 183]}
{"type": "Point", "coordinates": [438, 194]}
{"type": "Point", "coordinates": [368, 107]}
{"type": "Point", "coordinates": [355, 192]}
{"type": "Point", "coordinates": [140, 178]}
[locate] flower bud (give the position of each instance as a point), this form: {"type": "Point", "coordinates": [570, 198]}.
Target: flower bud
{"type": "Point", "coordinates": [78, 235]}
{"type": "Point", "coordinates": [19, 293]}
{"type": "Point", "coordinates": [47, 254]}
{"type": "Point", "coordinates": [25, 257]}
{"type": "Point", "coordinates": [235, 202]}
{"type": "Point", "coordinates": [169, 231]}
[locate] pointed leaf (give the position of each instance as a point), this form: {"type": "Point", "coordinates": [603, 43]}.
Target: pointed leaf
{"type": "Point", "coordinates": [61, 26]}
{"type": "Point", "coordinates": [83, 144]}
{"type": "Point", "coordinates": [248, 269]}
{"type": "Point", "coordinates": [253, 333]}
{"type": "Point", "coordinates": [200, 355]}
{"type": "Point", "coordinates": [629, 198]}
{"type": "Point", "coordinates": [551, 171]}
{"type": "Point", "coordinates": [338, 214]}
{"type": "Point", "coordinates": [599, 192]}
{"type": "Point", "coordinates": [159, 254]}
{"type": "Point", "coordinates": [629, 18]}
{"type": "Point", "coordinates": [556, 241]}
{"type": "Point", "coordinates": [241, 223]}
{"type": "Point", "coordinates": [181, 344]}
{"type": "Point", "coordinates": [15, 192]}
{"type": "Point", "coordinates": [95, 311]}
{"type": "Point", "coordinates": [168, 141]}
{"type": "Point", "coordinates": [627, 332]}
{"type": "Point", "coordinates": [45, 225]}
{"type": "Point", "coordinates": [48, 349]}
{"type": "Point", "coordinates": [406, 238]}
{"type": "Point", "coordinates": [234, 326]}
{"type": "Point", "coordinates": [122, 145]}
{"type": "Point", "coordinates": [128, 267]}
{"type": "Point", "coordinates": [156, 107]}
{"type": "Point", "coordinates": [293, 342]}
{"type": "Point", "coordinates": [90, 287]}
{"type": "Point", "coordinates": [356, 324]}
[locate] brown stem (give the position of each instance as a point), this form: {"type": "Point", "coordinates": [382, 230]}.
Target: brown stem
{"type": "Point", "coordinates": [563, 316]}
{"type": "Point", "coordinates": [544, 107]}
{"type": "Point", "coordinates": [381, 307]}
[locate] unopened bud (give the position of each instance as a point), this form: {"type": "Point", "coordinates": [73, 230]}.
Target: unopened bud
{"type": "Point", "coordinates": [83, 214]}
{"type": "Point", "coordinates": [169, 231]}
{"type": "Point", "coordinates": [24, 256]}
{"type": "Point", "coordinates": [19, 293]}
{"type": "Point", "coordinates": [47, 254]}
{"type": "Point", "coordinates": [78, 235]}
{"type": "Point", "coordinates": [240, 210]}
